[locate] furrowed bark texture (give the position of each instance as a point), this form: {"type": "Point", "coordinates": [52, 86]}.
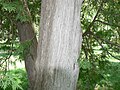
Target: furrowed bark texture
{"type": "Point", "coordinates": [59, 45]}
{"type": "Point", "coordinates": [25, 33]}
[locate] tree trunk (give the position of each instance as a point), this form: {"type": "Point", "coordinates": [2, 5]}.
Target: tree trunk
{"type": "Point", "coordinates": [59, 45]}
{"type": "Point", "coordinates": [25, 33]}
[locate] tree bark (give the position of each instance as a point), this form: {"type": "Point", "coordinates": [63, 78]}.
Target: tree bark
{"type": "Point", "coordinates": [25, 33]}
{"type": "Point", "coordinates": [59, 45]}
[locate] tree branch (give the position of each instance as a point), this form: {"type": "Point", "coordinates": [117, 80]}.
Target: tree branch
{"type": "Point", "coordinates": [106, 49]}
{"type": "Point", "coordinates": [114, 25]}
{"type": "Point", "coordinates": [91, 24]}
{"type": "Point", "coordinates": [106, 41]}
{"type": "Point", "coordinates": [24, 2]}
{"type": "Point", "coordinates": [99, 38]}
{"type": "Point", "coordinates": [85, 51]}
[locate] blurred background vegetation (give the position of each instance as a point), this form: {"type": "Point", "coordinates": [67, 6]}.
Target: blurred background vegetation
{"type": "Point", "coordinates": [100, 55]}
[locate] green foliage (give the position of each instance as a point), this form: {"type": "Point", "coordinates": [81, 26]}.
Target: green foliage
{"type": "Point", "coordinates": [85, 64]}
{"type": "Point", "coordinates": [100, 28]}
{"type": "Point", "coordinates": [103, 74]}
{"type": "Point", "coordinates": [22, 49]}
{"type": "Point", "coordinates": [101, 45]}
{"type": "Point", "coordinates": [13, 80]}
{"type": "Point", "coordinates": [10, 7]}
{"type": "Point", "coordinates": [12, 11]}
{"type": "Point", "coordinates": [15, 9]}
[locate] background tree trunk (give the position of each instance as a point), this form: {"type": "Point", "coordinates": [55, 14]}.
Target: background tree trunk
{"type": "Point", "coordinates": [25, 33]}
{"type": "Point", "coordinates": [59, 45]}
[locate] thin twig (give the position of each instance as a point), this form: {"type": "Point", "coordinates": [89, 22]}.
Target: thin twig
{"type": "Point", "coordinates": [97, 39]}
{"type": "Point", "coordinates": [114, 25]}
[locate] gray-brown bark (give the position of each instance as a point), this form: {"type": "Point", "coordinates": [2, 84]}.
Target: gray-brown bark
{"type": "Point", "coordinates": [59, 45]}
{"type": "Point", "coordinates": [25, 33]}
